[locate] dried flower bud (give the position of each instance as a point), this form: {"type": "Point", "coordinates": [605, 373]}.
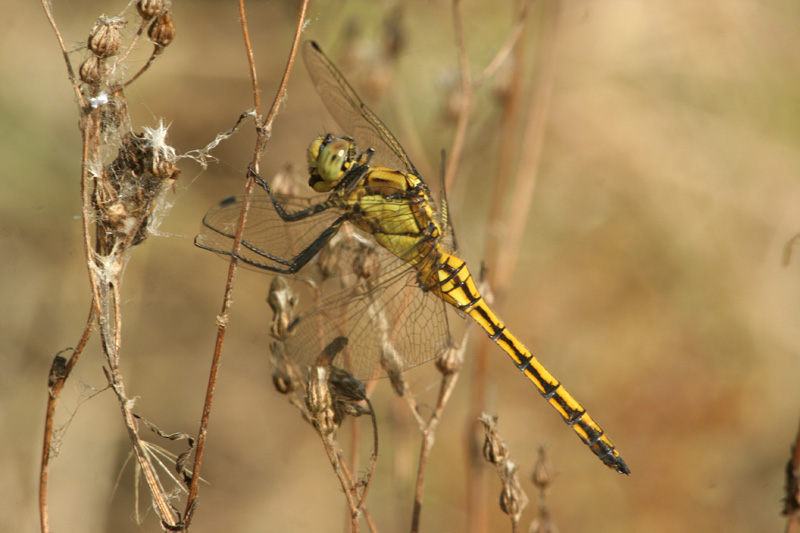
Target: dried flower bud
{"type": "Point", "coordinates": [319, 397]}
{"type": "Point", "coordinates": [92, 70]}
{"type": "Point", "coordinates": [391, 364]}
{"type": "Point", "coordinates": [543, 474]}
{"type": "Point", "coordinates": [366, 264]}
{"type": "Point", "coordinates": [495, 450]}
{"type": "Point", "coordinates": [450, 360]}
{"type": "Point", "coordinates": [162, 30]}
{"type": "Point", "coordinates": [345, 386]}
{"type": "Point", "coordinates": [282, 371]}
{"type": "Point", "coordinates": [105, 38]}
{"type": "Point", "coordinates": [282, 300]}
{"type": "Point", "coordinates": [117, 214]}
{"type": "Point", "coordinates": [318, 401]}
{"type": "Point", "coordinates": [513, 499]}
{"type": "Point", "coordinates": [149, 8]}
{"type": "Point", "coordinates": [58, 370]}
{"type": "Point", "coordinates": [346, 391]}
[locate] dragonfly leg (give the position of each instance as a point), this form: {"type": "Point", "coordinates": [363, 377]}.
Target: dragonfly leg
{"type": "Point", "coordinates": [285, 215]}
{"type": "Point", "coordinates": [288, 266]}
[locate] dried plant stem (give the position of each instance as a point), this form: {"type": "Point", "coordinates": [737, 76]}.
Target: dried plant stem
{"type": "Point", "coordinates": [533, 141]}
{"type": "Point", "coordinates": [124, 55]}
{"type": "Point", "coordinates": [355, 436]}
{"type": "Point", "coordinates": [428, 428]}
{"type": "Point", "coordinates": [56, 385]}
{"type": "Point", "coordinates": [510, 44]}
{"type": "Point", "coordinates": [428, 434]}
{"type": "Point", "coordinates": [345, 478]}
{"type": "Point", "coordinates": [71, 73]}
{"type": "Point", "coordinates": [465, 108]}
{"type": "Point", "coordinates": [106, 291]}
{"type": "Point", "coordinates": [262, 130]}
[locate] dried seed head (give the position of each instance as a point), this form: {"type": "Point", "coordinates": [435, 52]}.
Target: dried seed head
{"type": "Point", "coordinates": [281, 381]}
{"type": "Point", "coordinates": [346, 391]}
{"type": "Point", "coordinates": [390, 363]}
{"type": "Point", "coordinates": [318, 400]}
{"type": "Point", "coordinates": [345, 386]}
{"type": "Point", "coordinates": [282, 300]}
{"type": "Point", "coordinates": [329, 258]}
{"type": "Point", "coordinates": [283, 376]}
{"type": "Point", "coordinates": [366, 264]}
{"type": "Point", "coordinates": [117, 214]}
{"type": "Point", "coordinates": [163, 168]}
{"type": "Point", "coordinates": [450, 360]}
{"type": "Point", "coordinates": [495, 450]}
{"type": "Point", "coordinates": [162, 30]}
{"type": "Point", "coordinates": [543, 474]}
{"type": "Point", "coordinates": [513, 499]}
{"type": "Point", "coordinates": [105, 38]}
{"type": "Point", "coordinates": [149, 8]}
{"type": "Point", "coordinates": [93, 70]}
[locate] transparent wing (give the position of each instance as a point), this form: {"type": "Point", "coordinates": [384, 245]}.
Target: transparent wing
{"type": "Point", "coordinates": [391, 324]}
{"type": "Point", "coordinates": [387, 318]}
{"type": "Point", "coordinates": [355, 118]}
{"type": "Point", "coordinates": [268, 241]}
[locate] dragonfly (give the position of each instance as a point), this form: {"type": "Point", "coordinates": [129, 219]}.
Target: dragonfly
{"type": "Point", "coordinates": [380, 217]}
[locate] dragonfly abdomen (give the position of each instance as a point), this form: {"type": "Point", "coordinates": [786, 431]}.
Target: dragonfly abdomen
{"type": "Point", "coordinates": [456, 287]}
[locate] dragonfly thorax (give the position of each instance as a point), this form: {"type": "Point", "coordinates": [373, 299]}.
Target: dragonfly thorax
{"type": "Point", "coordinates": [329, 159]}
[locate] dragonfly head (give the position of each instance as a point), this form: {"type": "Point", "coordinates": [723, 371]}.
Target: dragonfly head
{"type": "Point", "coordinates": [329, 159]}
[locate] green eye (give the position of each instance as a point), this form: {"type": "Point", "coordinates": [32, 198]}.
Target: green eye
{"type": "Point", "coordinates": [329, 159]}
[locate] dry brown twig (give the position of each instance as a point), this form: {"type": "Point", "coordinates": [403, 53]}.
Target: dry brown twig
{"type": "Point", "coordinates": [449, 364]}
{"type": "Point", "coordinates": [263, 130]}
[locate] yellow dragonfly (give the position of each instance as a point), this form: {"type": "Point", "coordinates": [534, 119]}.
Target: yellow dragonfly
{"type": "Point", "coordinates": [399, 242]}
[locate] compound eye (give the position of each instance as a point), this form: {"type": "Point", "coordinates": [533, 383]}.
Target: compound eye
{"type": "Point", "coordinates": [333, 159]}
{"type": "Point", "coordinates": [329, 159]}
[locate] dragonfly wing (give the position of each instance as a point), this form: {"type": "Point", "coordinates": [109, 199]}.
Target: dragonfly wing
{"type": "Point", "coordinates": [390, 323]}
{"type": "Point", "coordinates": [355, 118]}
{"type": "Point", "coordinates": [268, 242]}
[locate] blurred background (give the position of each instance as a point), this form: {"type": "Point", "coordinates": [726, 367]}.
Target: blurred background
{"type": "Point", "coordinates": [650, 278]}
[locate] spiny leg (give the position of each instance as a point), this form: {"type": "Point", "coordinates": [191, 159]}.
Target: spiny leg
{"type": "Point", "coordinates": [291, 266]}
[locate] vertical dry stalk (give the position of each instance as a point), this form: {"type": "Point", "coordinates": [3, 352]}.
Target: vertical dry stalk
{"type": "Point", "coordinates": [449, 364]}
{"type": "Point", "coordinates": [263, 130]}
{"type": "Point", "coordinates": [118, 200]}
